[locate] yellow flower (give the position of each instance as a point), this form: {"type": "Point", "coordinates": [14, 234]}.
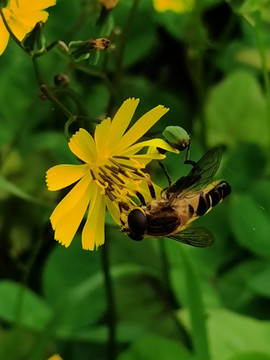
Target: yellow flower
{"type": "Point", "coordinates": [55, 357]}
{"type": "Point", "coordinates": [109, 4]}
{"type": "Point", "coordinates": [21, 17]}
{"type": "Point", "coordinates": [109, 177]}
{"type": "Point", "coordinates": [178, 6]}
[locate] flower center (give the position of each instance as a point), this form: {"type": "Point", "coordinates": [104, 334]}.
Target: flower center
{"type": "Point", "coordinates": [121, 181]}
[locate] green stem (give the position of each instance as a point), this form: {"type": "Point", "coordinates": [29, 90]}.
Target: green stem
{"type": "Point", "coordinates": [196, 310]}
{"type": "Point", "coordinates": [37, 70]}
{"type": "Point", "coordinates": [49, 94]}
{"type": "Point", "coordinates": [123, 43]}
{"type": "Point", "coordinates": [261, 47]}
{"type": "Point", "coordinates": [196, 68]}
{"type": "Point", "coordinates": [28, 268]}
{"type": "Point", "coordinates": [166, 272]}
{"type": "Point", "coordinates": [111, 312]}
{"type": "Point", "coordinates": [99, 74]}
{"type": "Point", "coordinates": [70, 121]}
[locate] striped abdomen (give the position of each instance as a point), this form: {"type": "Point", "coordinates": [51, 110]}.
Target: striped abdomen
{"type": "Point", "coordinates": [211, 198]}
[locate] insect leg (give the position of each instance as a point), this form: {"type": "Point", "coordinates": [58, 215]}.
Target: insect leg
{"type": "Point", "coordinates": [165, 172]}
{"type": "Point", "coordinates": [187, 160]}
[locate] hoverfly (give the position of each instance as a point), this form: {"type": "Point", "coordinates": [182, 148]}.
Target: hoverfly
{"type": "Point", "coordinates": [180, 204]}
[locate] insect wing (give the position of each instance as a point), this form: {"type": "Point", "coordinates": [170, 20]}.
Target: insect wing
{"type": "Point", "coordinates": [200, 175]}
{"type": "Point", "coordinates": [198, 237]}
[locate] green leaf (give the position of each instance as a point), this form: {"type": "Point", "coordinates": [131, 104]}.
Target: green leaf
{"type": "Point", "coordinates": [250, 356]}
{"type": "Point", "coordinates": [196, 310]}
{"type": "Point", "coordinates": [251, 9]}
{"type": "Point", "coordinates": [18, 304]}
{"type": "Point", "coordinates": [141, 34]}
{"type": "Point", "coordinates": [236, 112]}
{"type": "Point", "coordinates": [127, 251]}
{"type": "Point", "coordinates": [261, 194]}
{"type": "Point", "coordinates": [245, 161]}
{"type": "Point", "coordinates": [16, 343]}
{"type": "Point", "coordinates": [250, 225]}
{"type": "Point", "coordinates": [251, 56]}
{"type": "Point", "coordinates": [76, 274]}
{"type": "Point", "coordinates": [231, 333]}
{"type": "Point", "coordinates": [259, 283]}
{"type": "Point", "coordinates": [73, 283]}
{"type": "Point", "coordinates": [126, 332]}
{"type": "Point", "coordinates": [238, 277]}
{"type": "Point", "coordinates": [156, 348]}
{"type": "Point", "coordinates": [176, 24]}
{"type": "Point", "coordinates": [187, 282]}
{"type": "Point", "coordinates": [146, 90]}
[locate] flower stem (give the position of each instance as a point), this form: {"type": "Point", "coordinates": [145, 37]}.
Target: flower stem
{"type": "Point", "coordinates": [196, 68]}
{"type": "Point", "coordinates": [21, 293]}
{"type": "Point", "coordinates": [49, 94]}
{"type": "Point", "coordinates": [166, 272]}
{"type": "Point", "coordinates": [111, 313]}
{"type": "Point", "coordinates": [122, 45]}
{"type": "Point", "coordinates": [261, 47]}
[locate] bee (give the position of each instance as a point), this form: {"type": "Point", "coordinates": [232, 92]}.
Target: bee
{"type": "Point", "coordinates": [180, 204]}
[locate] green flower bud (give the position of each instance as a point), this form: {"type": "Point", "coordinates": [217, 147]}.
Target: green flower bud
{"type": "Point", "coordinates": [177, 137]}
{"type": "Point", "coordinates": [34, 42]}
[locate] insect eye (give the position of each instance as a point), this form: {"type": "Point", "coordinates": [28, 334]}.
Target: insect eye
{"type": "Point", "coordinates": [137, 223]}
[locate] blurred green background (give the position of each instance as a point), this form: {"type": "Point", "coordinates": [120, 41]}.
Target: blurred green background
{"type": "Point", "coordinates": [210, 66]}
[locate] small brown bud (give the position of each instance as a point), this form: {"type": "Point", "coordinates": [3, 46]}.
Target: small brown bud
{"type": "Point", "coordinates": [61, 79]}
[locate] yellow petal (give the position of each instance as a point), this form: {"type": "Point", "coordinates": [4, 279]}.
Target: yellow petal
{"type": "Point", "coordinates": [150, 143]}
{"type": "Point", "coordinates": [35, 5]}
{"type": "Point", "coordinates": [140, 128]}
{"type": "Point", "coordinates": [113, 209]}
{"type": "Point", "coordinates": [69, 223]}
{"type": "Point", "coordinates": [122, 120]}
{"type": "Point", "coordinates": [100, 229]}
{"type": "Point", "coordinates": [153, 156]}
{"type": "Point", "coordinates": [55, 357]}
{"type": "Point", "coordinates": [83, 146]}
{"type": "Point", "coordinates": [93, 231]}
{"type": "Point", "coordinates": [24, 22]}
{"type": "Point", "coordinates": [102, 137]}
{"type": "Point", "coordinates": [70, 200]}
{"type": "Point", "coordinates": [144, 190]}
{"type": "Point", "coordinates": [60, 176]}
{"type": "Point", "coordinates": [4, 36]}
{"type": "Point", "coordinates": [177, 6]}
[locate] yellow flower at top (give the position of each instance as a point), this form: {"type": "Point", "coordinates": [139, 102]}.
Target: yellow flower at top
{"type": "Point", "coordinates": [55, 357]}
{"type": "Point", "coordinates": [178, 6]}
{"type": "Point", "coordinates": [21, 17]}
{"type": "Point", "coordinates": [111, 175]}
{"type": "Point", "coordinates": [109, 4]}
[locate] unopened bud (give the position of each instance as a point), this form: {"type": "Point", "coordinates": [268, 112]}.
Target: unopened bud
{"type": "Point", "coordinates": [80, 50]}
{"type": "Point", "coordinates": [61, 79]}
{"type": "Point", "coordinates": [177, 137]}
{"type": "Point", "coordinates": [34, 42]}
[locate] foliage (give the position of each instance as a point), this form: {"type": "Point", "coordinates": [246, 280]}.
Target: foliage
{"type": "Point", "coordinates": [167, 301]}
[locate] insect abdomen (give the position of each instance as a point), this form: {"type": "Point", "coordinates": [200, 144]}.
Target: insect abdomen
{"type": "Point", "coordinates": [162, 225]}
{"type": "Point", "coordinates": [213, 197]}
